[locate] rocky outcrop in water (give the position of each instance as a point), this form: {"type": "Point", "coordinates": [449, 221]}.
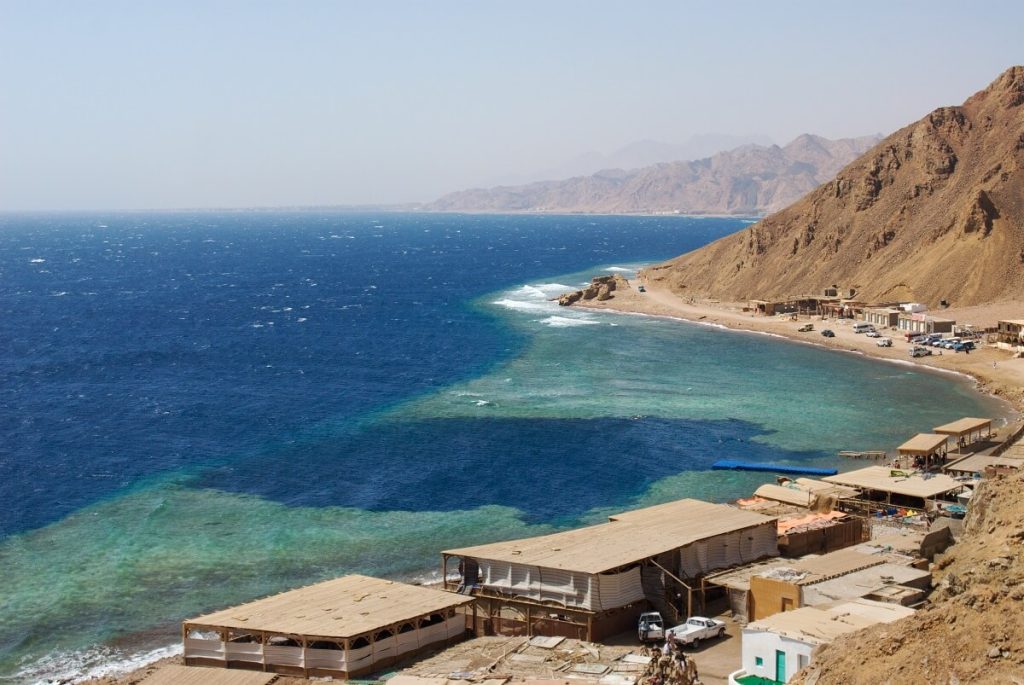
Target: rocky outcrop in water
{"type": "Point", "coordinates": [600, 289]}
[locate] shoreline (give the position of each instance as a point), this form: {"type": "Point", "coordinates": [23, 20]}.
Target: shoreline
{"type": "Point", "coordinates": [994, 373]}
{"type": "Point", "coordinates": [721, 316]}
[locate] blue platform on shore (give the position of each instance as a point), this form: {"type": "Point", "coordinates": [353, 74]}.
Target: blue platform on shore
{"type": "Point", "coordinates": [730, 465]}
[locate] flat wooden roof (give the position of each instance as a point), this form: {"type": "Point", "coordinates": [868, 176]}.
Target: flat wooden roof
{"type": "Point", "coordinates": [976, 463]}
{"type": "Point", "coordinates": [176, 674]}
{"type": "Point", "coordinates": [628, 537]}
{"type": "Point", "coordinates": [340, 608]}
{"type": "Point", "coordinates": [923, 443]}
{"type": "Point", "coordinates": [964, 426]}
{"type": "Point", "coordinates": [879, 478]}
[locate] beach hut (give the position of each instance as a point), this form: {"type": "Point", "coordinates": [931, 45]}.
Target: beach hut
{"type": "Point", "coordinates": [966, 431]}
{"type": "Point", "coordinates": [592, 582]}
{"type": "Point", "coordinates": [923, 448]}
{"type": "Point", "coordinates": [339, 628]}
{"type": "Point", "coordinates": [883, 488]}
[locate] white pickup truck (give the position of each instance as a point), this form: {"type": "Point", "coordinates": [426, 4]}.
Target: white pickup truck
{"type": "Point", "coordinates": [651, 627]}
{"type": "Point", "coordinates": [695, 629]}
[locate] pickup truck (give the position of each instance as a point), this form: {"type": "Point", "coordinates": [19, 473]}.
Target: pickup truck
{"type": "Point", "coordinates": [651, 627]}
{"type": "Point", "coordinates": [697, 628]}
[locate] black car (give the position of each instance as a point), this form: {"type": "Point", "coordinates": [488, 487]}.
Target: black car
{"type": "Point", "coordinates": [828, 333]}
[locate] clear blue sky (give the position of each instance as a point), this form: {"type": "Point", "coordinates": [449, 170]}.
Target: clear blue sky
{"type": "Point", "coordinates": [170, 104]}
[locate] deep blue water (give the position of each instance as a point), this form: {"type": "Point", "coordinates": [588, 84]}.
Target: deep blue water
{"type": "Point", "coordinates": [137, 344]}
{"type": "Point", "coordinates": [199, 409]}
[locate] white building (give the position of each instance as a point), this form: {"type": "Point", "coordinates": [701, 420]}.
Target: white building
{"type": "Point", "coordinates": [780, 645]}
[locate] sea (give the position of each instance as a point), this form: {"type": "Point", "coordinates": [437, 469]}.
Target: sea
{"type": "Point", "coordinates": [203, 408]}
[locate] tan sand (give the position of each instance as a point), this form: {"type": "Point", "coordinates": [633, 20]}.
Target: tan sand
{"type": "Point", "coordinates": [996, 371]}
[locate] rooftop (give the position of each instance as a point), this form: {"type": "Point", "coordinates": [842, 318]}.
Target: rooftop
{"type": "Point", "coordinates": [880, 478]}
{"type": "Point", "coordinates": [863, 582]}
{"type": "Point", "coordinates": [340, 608]}
{"type": "Point", "coordinates": [976, 463]}
{"type": "Point", "coordinates": [924, 443]}
{"type": "Point", "coordinates": [821, 625]}
{"type": "Point", "coordinates": [627, 537]}
{"type": "Point", "coordinates": [963, 426]}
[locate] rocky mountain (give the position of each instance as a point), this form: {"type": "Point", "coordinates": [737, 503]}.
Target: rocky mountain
{"type": "Point", "coordinates": [649, 152]}
{"type": "Point", "coordinates": [751, 179]}
{"type": "Point", "coordinates": [933, 212]}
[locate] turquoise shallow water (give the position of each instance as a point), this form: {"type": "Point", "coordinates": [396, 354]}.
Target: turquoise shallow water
{"type": "Point", "coordinates": [553, 418]}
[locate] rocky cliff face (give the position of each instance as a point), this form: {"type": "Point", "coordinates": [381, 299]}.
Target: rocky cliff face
{"type": "Point", "coordinates": [933, 212]}
{"type": "Point", "coordinates": [972, 630]}
{"type": "Point", "coordinates": [751, 179]}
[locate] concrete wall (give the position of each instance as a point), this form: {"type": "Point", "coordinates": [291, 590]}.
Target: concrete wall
{"type": "Point", "coordinates": [758, 643]}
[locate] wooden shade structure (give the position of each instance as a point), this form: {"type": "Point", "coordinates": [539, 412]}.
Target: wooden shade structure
{"type": "Point", "coordinates": [926, 446]}
{"type": "Point", "coordinates": [343, 627]}
{"type": "Point", "coordinates": [964, 430]}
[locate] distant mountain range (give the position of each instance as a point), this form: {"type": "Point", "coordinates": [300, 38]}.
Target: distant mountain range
{"type": "Point", "coordinates": [934, 212]}
{"type": "Point", "coordinates": [748, 180]}
{"type": "Point", "coordinates": [648, 153]}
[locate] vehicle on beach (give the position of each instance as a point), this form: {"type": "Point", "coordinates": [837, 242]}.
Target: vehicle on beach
{"type": "Point", "coordinates": [884, 342]}
{"type": "Point", "coordinates": [641, 289]}
{"type": "Point", "coordinates": [965, 346]}
{"type": "Point", "coordinates": [828, 333]}
{"type": "Point", "coordinates": [697, 628]}
{"type": "Point", "coordinates": [651, 626]}
{"type": "Point", "coordinates": [920, 352]}
{"type": "Point", "coordinates": [863, 328]}
{"type": "Point", "coordinates": [805, 328]}
{"type": "Point", "coordinates": [873, 334]}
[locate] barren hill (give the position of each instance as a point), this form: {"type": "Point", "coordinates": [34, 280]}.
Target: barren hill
{"type": "Point", "coordinates": [933, 212]}
{"type": "Point", "coordinates": [751, 179]}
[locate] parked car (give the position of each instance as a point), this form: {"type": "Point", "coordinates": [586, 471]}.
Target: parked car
{"type": "Point", "coordinates": [641, 288]}
{"type": "Point", "coordinates": [697, 628]}
{"type": "Point", "coordinates": [965, 346]}
{"type": "Point", "coordinates": [651, 627]}
{"type": "Point", "coordinates": [806, 327]}
{"type": "Point", "coordinates": [828, 333]}
{"type": "Point", "coordinates": [884, 342]}
{"type": "Point", "coordinates": [873, 334]}
{"type": "Point", "coordinates": [920, 352]}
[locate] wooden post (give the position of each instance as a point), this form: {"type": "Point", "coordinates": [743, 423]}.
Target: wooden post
{"type": "Point", "coordinates": [444, 571]}
{"type": "Point", "coordinates": [529, 621]}
{"type": "Point", "coordinates": [305, 668]}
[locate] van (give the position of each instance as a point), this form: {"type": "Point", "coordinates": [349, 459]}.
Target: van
{"type": "Point", "coordinates": [863, 327]}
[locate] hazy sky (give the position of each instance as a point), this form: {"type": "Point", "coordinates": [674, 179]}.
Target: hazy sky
{"type": "Point", "coordinates": [172, 104]}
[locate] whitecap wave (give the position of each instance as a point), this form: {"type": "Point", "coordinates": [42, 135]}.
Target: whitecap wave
{"type": "Point", "coordinates": [620, 270]}
{"type": "Point", "coordinates": [525, 305]}
{"type": "Point", "coordinates": [95, 662]}
{"type": "Point", "coordinates": [566, 322]}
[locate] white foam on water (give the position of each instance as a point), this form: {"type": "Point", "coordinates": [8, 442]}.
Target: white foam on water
{"type": "Point", "coordinates": [549, 289]}
{"type": "Point", "coordinates": [620, 270]}
{"type": "Point", "coordinates": [94, 662]}
{"type": "Point", "coordinates": [566, 322]}
{"type": "Point", "coordinates": [37, 260]}
{"type": "Point", "coordinates": [526, 306]}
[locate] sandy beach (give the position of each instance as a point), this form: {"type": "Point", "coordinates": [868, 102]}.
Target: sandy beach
{"type": "Point", "coordinates": [995, 371]}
